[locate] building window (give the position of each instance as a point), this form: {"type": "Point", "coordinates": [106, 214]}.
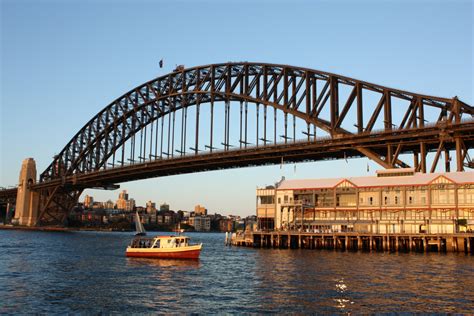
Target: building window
{"type": "Point", "coordinates": [396, 200]}
{"type": "Point", "coordinates": [279, 200]}
{"type": "Point", "coordinates": [410, 200]}
{"type": "Point", "coordinates": [371, 200]}
{"type": "Point", "coordinates": [266, 199]}
{"type": "Point", "coordinates": [386, 200]}
{"type": "Point", "coordinates": [285, 199]}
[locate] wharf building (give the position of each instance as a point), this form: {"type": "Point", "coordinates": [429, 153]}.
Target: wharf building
{"type": "Point", "coordinates": [396, 201]}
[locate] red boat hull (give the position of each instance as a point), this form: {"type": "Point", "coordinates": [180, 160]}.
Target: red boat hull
{"type": "Point", "coordinates": [191, 254]}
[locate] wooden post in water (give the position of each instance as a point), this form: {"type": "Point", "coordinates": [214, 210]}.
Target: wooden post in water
{"type": "Point", "coordinates": [449, 244]}
{"type": "Point", "coordinates": [460, 242]}
{"type": "Point", "coordinates": [370, 243]}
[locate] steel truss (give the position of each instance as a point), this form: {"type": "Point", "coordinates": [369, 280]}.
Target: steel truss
{"type": "Point", "coordinates": [252, 112]}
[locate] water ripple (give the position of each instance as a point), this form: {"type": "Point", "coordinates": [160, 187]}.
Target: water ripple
{"type": "Point", "coordinates": [87, 272]}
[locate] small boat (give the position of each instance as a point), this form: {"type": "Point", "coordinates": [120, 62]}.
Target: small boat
{"type": "Point", "coordinates": [166, 247]}
{"type": "Point", "coordinates": [140, 230]}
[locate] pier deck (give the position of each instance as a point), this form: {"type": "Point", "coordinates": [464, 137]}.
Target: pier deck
{"type": "Point", "coordinates": [351, 241]}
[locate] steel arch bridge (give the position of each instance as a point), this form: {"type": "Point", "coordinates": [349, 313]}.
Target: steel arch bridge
{"type": "Point", "coordinates": [243, 114]}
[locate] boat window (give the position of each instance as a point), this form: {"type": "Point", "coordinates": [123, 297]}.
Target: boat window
{"type": "Point", "coordinates": [157, 244]}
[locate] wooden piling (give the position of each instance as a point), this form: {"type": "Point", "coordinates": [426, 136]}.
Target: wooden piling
{"type": "Point", "coordinates": [356, 242]}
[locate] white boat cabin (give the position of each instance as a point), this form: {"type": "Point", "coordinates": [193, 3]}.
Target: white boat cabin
{"type": "Point", "coordinates": [160, 242]}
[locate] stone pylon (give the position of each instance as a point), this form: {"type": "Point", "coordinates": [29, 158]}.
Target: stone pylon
{"type": "Point", "coordinates": [26, 211]}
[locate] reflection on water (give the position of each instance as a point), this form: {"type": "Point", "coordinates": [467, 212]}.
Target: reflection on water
{"type": "Point", "coordinates": [88, 272]}
{"type": "Point", "coordinates": [343, 301]}
{"type": "Point", "coordinates": [149, 262]}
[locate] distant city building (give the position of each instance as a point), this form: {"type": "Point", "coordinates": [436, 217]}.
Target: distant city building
{"type": "Point", "coordinates": [200, 223]}
{"type": "Point", "coordinates": [164, 207]}
{"type": "Point", "coordinates": [200, 210]}
{"type": "Point", "coordinates": [123, 203]}
{"type": "Point", "coordinates": [166, 217]}
{"type": "Point", "coordinates": [130, 205]}
{"type": "Point", "coordinates": [97, 205]}
{"type": "Point", "coordinates": [109, 204]}
{"type": "Point", "coordinates": [88, 201]}
{"type": "Point", "coordinates": [120, 214]}
{"type": "Point", "coordinates": [150, 207]}
{"type": "Point", "coordinates": [226, 225]}
{"type": "Point", "coordinates": [123, 195]}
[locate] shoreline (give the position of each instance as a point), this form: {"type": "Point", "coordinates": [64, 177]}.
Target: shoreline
{"type": "Point", "coordinates": [74, 229]}
{"type": "Point", "coordinates": [27, 228]}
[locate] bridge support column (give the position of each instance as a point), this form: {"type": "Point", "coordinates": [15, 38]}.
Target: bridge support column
{"type": "Point", "coordinates": [459, 158]}
{"type": "Point", "coordinates": [423, 157]}
{"type": "Point", "coordinates": [26, 210]}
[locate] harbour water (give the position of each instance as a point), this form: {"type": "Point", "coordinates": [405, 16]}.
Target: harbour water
{"type": "Point", "coordinates": [51, 272]}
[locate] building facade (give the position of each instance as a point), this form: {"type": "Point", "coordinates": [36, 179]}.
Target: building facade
{"type": "Point", "coordinates": [200, 223]}
{"type": "Point", "coordinates": [200, 210]}
{"type": "Point", "coordinates": [150, 207]}
{"type": "Point", "coordinates": [122, 200]}
{"type": "Point", "coordinates": [88, 201]}
{"type": "Point", "coordinates": [393, 201]}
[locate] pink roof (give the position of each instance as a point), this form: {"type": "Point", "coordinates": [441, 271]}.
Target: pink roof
{"type": "Point", "coordinates": [417, 179]}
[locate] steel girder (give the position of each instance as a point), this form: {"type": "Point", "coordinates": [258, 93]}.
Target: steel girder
{"type": "Point", "coordinates": [96, 157]}
{"type": "Point", "coordinates": [299, 92]}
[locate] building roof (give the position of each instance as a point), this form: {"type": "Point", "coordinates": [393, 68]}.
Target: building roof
{"type": "Point", "coordinates": [373, 181]}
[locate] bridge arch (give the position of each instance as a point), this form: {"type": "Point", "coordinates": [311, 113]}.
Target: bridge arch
{"type": "Point", "coordinates": [317, 99]}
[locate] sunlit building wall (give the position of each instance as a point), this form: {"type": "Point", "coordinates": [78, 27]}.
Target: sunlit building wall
{"type": "Point", "coordinates": [400, 201]}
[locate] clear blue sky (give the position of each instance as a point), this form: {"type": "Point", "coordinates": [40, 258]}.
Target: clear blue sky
{"type": "Point", "coordinates": [63, 61]}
